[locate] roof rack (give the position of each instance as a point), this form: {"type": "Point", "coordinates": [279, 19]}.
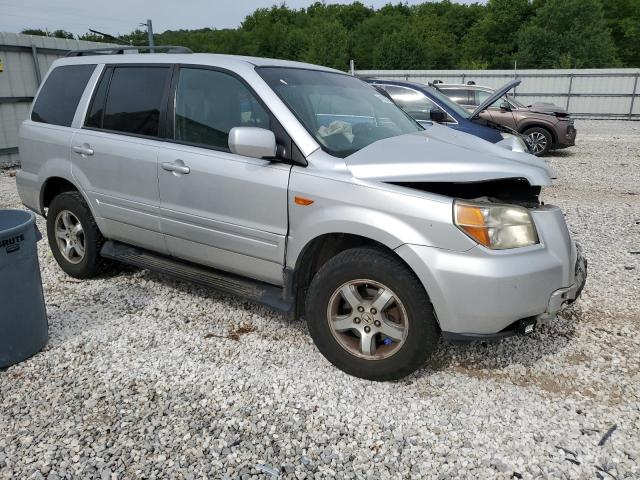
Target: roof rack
{"type": "Point", "coordinates": [123, 49]}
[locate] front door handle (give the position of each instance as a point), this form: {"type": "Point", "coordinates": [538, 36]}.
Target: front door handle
{"type": "Point", "coordinates": [85, 149]}
{"type": "Point", "coordinates": [177, 167]}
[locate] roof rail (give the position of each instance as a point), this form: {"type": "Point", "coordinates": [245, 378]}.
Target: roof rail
{"type": "Point", "coordinates": [123, 49]}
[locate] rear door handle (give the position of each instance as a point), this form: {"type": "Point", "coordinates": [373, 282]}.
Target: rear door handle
{"type": "Point", "coordinates": [84, 149]}
{"type": "Point", "coordinates": [178, 167]}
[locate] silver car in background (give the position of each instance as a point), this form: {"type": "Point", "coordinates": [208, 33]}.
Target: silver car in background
{"type": "Point", "coordinates": [299, 187]}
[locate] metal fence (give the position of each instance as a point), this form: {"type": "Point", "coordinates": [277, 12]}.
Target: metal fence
{"type": "Point", "coordinates": [588, 93]}
{"type": "Point", "coordinates": [24, 60]}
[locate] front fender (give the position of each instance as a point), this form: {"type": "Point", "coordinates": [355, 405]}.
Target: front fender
{"type": "Point", "coordinates": [388, 214]}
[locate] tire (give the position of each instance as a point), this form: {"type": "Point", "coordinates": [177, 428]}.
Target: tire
{"type": "Point", "coordinates": [66, 211]}
{"type": "Point", "coordinates": [368, 271]}
{"type": "Point", "coordinates": [539, 139]}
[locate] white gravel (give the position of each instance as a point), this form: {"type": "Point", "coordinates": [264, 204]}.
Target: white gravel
{"type": "Point", "coordinates": [139, 381]}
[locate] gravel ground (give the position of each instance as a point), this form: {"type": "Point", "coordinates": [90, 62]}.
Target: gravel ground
{"type": "Point", "coordinates": [147, 377]}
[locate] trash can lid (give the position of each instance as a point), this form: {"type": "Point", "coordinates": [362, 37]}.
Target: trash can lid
{"type": "Point", "coordinates": [14, 221]}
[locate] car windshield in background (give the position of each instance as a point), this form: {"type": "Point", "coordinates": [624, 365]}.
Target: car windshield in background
{"type": "Point", "coordinates": [343, 113]}
{"type": "Point", "coordinates": [446, 101]}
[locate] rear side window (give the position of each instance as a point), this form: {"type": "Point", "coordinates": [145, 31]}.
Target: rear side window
{"type": "Point", "coordinates": [135, 97]}
{"type": "Point", "coordinates": [459, 96]}
{"type": "Point", "coordinates": [58, 99]}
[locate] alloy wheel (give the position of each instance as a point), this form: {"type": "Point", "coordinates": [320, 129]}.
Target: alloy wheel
{"type": "Point", "coordinates": [367, 319]}
{"type": "Point", "coordinates": [69, 236]}
{"type": "Point", "coordinates": [537, 141]}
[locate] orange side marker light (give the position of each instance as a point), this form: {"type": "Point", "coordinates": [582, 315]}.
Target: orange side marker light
{"type": "Point", "coordinates": [302, 201]}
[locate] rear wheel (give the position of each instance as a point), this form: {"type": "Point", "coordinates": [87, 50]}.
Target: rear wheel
{"type": "Point", "coordinates": [74, 237]}
{"type": "Point", "coordinates": [539, 140]}
{"type": "Point", "coordinates": [369, 315]}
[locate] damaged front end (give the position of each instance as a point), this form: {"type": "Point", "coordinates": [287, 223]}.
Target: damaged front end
{"type": "Point", "coordinates": [515, 191]}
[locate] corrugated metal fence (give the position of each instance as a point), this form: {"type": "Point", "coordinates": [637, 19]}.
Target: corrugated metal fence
{"type": "Point", "coordinates": [24, 60]}
{"type": "Point", "coordinates": [589, 93]}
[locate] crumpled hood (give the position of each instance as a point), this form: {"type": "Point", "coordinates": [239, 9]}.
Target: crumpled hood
{"type": "Point", "coordinates": [442, 154]}
{"type": "Point", "coordinates": [548, 108]}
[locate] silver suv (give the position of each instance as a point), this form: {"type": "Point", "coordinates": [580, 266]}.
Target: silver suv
{"type": "Point", "coordinates": [299, 187]}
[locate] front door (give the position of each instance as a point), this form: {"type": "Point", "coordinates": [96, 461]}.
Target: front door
{"type": "Point", "coordinates": [499, 112]}
{"type": "Point", "coordinates": [217, 208]}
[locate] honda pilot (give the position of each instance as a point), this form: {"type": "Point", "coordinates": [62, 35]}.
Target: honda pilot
{"type": "Point", "coordinates": [299, 187]}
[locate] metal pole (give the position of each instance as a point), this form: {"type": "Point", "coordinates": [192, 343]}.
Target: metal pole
{"type": "Point", "coordinates": [569, 92]}
{"type": "Point", "coordinates": [36, 65]}
{"type": "Point", "coordinates": [633, 95]}
{"type": "Point", "coordinates": [150, 35]}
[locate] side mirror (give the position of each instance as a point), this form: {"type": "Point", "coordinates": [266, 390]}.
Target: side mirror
{"type": "Point", "coordinates": [252, 142]}
{"type": "Point", "coordinates": [438, 115]}
{"type": "Point", "coordinates": [504, 106]}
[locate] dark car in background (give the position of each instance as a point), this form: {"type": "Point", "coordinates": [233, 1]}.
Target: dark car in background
{"type": "Point", "coordinates": [546, 126]}
{"type": "Point", "coordinates": [427, 105]}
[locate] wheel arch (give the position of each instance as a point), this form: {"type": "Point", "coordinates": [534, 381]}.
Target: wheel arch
{"type": "Point", "coordinates": [544, 126]}
{"type": "Point", "coordinates": [52, 187]}
{"type": "Point", "coordinates": [316, 252]}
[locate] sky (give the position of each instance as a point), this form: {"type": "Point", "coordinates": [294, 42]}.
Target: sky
{"type": "Point", "coordinates": [123, 16]}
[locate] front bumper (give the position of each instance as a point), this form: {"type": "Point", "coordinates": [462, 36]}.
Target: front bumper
{"type": "Point", "coordinates": [485, 293]}
{"type": "Point", "coordinates": [566, 136]}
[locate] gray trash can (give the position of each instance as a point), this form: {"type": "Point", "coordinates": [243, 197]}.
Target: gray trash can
{"type": "Point", "coordinates": [23, 318]}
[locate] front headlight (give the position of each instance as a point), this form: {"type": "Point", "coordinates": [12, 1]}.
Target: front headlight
{"type": "Point", "coordinates": [495, 226]}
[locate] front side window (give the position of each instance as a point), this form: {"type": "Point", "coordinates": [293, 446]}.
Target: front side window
{"type": "Point", "coordinates": [134, 101]}
{"type": "Point", "coordinates": [344, 114]}
{"type": "Point", "coordinates": [58, 99]}
{"type": "Point", "coordinates": [209, 103]}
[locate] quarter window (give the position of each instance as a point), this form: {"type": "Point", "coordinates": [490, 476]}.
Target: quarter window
{"type": "Point", "coordinates": [134, 100]}
{"type": "Point", "coordinates": [209, 104]}
{"type": "Point", "coordinates": [58, 99]}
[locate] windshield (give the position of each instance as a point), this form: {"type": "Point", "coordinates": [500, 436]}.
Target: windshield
{"type": "Point", "coordinates": [443, 99]}
{"type": "Point", "coordinates": [343, 113]}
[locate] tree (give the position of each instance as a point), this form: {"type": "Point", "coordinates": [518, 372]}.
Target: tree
{"type": "Point", "coordinates": [493, 39]}
{"type": "Point", "coordinates": [623, 19]}
{"type": "Point", "coordinates": [567, 34]}
{"type": "Point", "coordinates": [35, 31]}
{"type": "Point", "coordinates": [327, 45]}
{"type": "Point", "coordinates": [399, 50]}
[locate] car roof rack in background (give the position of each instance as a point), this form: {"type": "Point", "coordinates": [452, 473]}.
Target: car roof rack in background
{"type": "Point", "coordinates": [123, 49]}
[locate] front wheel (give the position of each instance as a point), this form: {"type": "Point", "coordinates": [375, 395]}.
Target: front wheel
{"type": "Point", "coordinates": [370, 316]}
{"type": "Point", "coordinates": [539, 140]}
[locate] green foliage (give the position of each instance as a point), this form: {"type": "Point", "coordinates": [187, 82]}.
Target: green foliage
{"type": "Point", "coordinates": [567, 34]}
{"type": "Point", "coordinates": [623, 20]}
{"type": "Point", "coordinates": [46, 33]}
{"type": "Point", "coordinates": [430, 35]}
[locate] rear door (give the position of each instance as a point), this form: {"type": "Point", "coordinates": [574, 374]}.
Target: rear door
{"type": "Point", "coordinates": [220, 209]}
{"type": "Point", "coordinates": [115, 154]}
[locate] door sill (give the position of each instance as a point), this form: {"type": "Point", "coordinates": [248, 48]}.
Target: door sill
{"type": "Point", "coordinates": [253, 290]}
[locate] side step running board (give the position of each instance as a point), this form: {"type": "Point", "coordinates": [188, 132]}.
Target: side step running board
{"type": "Point", "coordinates": [253, 290]}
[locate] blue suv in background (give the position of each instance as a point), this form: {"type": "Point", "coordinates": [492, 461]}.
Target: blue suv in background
{"type": "Point", "coordinates": [428, 105]}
